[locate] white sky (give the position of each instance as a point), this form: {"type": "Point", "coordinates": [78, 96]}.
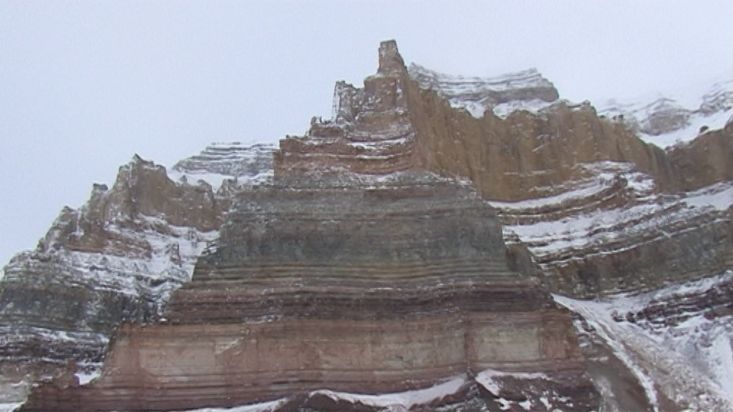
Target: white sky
{"type": "Point", "coordinates": [85, 85]}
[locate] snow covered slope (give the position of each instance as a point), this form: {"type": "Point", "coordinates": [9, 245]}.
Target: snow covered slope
{"type": "Point", "coordinates": [676, 117]}
{"type": "Point", "coordinates": [612, 231]}
{"type": "Point", "coordinates": [117, 258]}
{"type": "Point", "coordinates": [664, 119]}
{"type": "Point", "coordinates": [676, 340]}
{"type": "Point", "coordinates": [221, 161]}
{"type": "Point", "coordinates": [525, 90]}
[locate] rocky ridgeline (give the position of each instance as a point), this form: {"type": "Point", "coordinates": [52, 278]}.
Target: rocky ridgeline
{"type": "Point", "coordinates": [117, 258]}
{"type": "Point", "coordinates": [668, 121]}
{"type": "Point", "coordinates": [588, 209]}
{"type": "Point", "coordinates": [502, 95]}
{"type": "Point", "coordinates": [220, 162]}
{"type": "Point", "coordinates": [592, 210]}
{"type": "Point", "coordinates": [370, 133]}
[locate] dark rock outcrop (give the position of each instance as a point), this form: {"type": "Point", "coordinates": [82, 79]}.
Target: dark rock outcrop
{"type": "Point", "coordinates": [354, 275]}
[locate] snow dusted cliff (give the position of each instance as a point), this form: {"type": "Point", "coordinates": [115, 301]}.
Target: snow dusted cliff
{"type": "Point", "coordinates": [676, 340]}
{"type": "Point", "coordinates": [664, 119]}
{"type": "Point", "coordinates": [636, 241]}
{"type": "Point", "coordinates": [115, 259]}
{"type": "Point", "coordinates": [525, 90]}
{"type": "Point", "coordinates": [245, 165]}
{"type": "Point", "coordinates": [676, 117]}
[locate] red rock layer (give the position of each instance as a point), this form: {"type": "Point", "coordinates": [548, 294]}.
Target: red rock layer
{"type": "Point", "coordinates": [351, 288]}
{"type": "Point", "coordinates": [174, 367]}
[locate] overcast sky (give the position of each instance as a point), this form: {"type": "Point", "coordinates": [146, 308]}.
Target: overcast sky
{"type": "Point", "coordinates": [85, 85]}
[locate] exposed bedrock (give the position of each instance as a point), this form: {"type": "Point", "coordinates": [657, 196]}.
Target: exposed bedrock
{"type": "Point", "coordinates": [705, 246]}
{"type": "Point", "coordinates": [226, 164]}
{"type": "Point", "coordinates": [618, 235]}
{"type": "Point", "coordinates": [404, 120]}
{"type": "Point", "coordinates": [514, 158]}
{"type": "Point", "coordinates": [498, 94]}
{"type": "Point", "coordinates": [356, 288]}
{"type": "Point", "coordinates": [357, 272]}
{"type": "Point", "coordinates": [674, 341]}
{"type": "Point", "coordinates": [705, 160]}
{"type": "Point", "coordinates": [370, 132]}
{"type": "Point", "coordinates": [116, 259]}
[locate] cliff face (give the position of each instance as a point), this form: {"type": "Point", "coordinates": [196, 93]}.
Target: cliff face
{"type": "Point", "coordinates": [501, 95]}
{"type": "Point", "coordinates": [390, 286]}
{"type": "Point", "coordinates": [370, 133]}
{"type": "Point", "coordinates": [350, 277]}
{"type": "Point", "coordinates": [675, 118]}
{"type": "Point", "coordinates": [118, 258]}
{"type": "Point", "coordinates": [554, 172]}
{"type": "Point", "coordinates": [399, 255]}
{"type": "Point", "coordinates": [233, 164]}
{"type": "Point", "coordinates": [525, 155]}
{"type": "Point", "coordinates": [599, 209]}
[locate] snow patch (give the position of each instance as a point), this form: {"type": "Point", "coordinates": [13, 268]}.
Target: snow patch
{"type": "Point", "coordinates": [712, 109]}
{"type": "Point", "coordinates": [690, 361]}
{"type": "Point", "coordinates": [608, 331]}
{"type": "Point", "coordinates": [258, 407]}
{"type": "Point", "coordinates": [9, 407]}
{"type": "Point", "coordinates": [690, 131]}
{"type": "Point", "coordinates": [487, 378]}
{"type": "Point", "coordinates": [718, 196]}
{"type": "Point", "coordinates": [503, 94]}
{"type": "Point", "coordinates": [400, 401]}
{"type": "Point", "coordinates": [603, 176]}
{"type": "Point", "coordinates": [534, 106]}
{"type": "Point", "coordinates": [606, 230]}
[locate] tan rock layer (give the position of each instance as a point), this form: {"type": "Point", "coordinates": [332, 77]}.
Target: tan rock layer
{"type": "Point", "coordinates": [169, 367]}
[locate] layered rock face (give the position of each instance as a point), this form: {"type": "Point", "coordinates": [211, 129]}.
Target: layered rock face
{"type": "Point", "coordinates": [599, 210]}
{"type": "Point", "coordinates": [615, 233]}
{"type": "Point", "coordinates": [233, 163]}
{"type": "Point", "coordinates": [118, 258]}
{"type": "Point", "coordinates": [593, 211]}
{"type": "Point", "coordinates": [358, 279]}
{"type": "Point", "coordinates": [677, 118]}
{"type": "Point", "coordinates": [370, 132]}
{"type": "Point", "coordinates": [388, 287]}
{"type": "Point", "coordinates": [675, 340]}
{"type": "Point", "coordinates": [554, 173]}
{"type": "Point", "coordinates": [502, 95]}
{"type": "Point", "coordinates": [587, 206]}
{"type": "Point", "coordinates": [330, 288]}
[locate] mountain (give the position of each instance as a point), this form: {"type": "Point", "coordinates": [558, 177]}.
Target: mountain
{"type": "Point", "coordinates": [668, 120]}
{"type": "Point", "coordinates": [117, 258]}
{"type": "Point", "coordinates": [220, 162]}
{"type": "Point", "coordinates": [525, 90]}
{"type": "Point", "coordinates": [442, 243]}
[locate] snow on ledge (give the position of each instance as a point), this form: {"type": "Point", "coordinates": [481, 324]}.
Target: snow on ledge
{"type": "Point", "coordinates": [257, 407]}
{"type": "Point", "coordinates": [396, 401]}
{"type": "Point", "coordinates": [9, 407]}
{"type": "Point", "coordinates": [487, 378]}
{"type": "Point", "coordinates": [86, 377]}
{"type": "Point", "coordinates": [400, 400]}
